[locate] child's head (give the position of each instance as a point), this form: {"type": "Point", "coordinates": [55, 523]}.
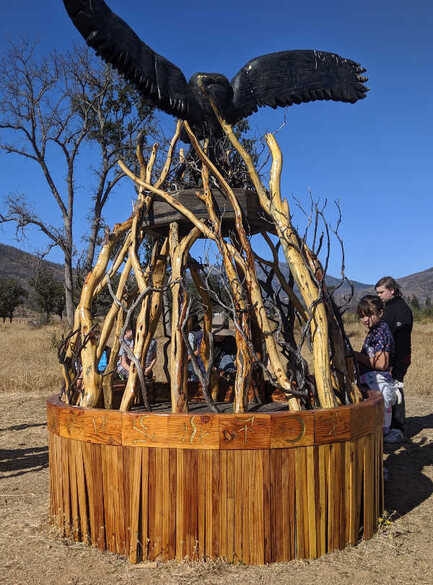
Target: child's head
{"type": "Point", "coordinates": [370, 310]}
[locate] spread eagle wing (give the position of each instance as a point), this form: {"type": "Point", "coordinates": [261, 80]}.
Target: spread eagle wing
{"type": "Point", "coordinates": [155, 77]}
{"type": "Point", "coordinates": [293, 77]}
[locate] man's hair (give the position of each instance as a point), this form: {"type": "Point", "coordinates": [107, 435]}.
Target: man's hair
{"type": "Point", "coordinates": [389, 283]}
{"type": "Point", "coordinates": [369, 305]}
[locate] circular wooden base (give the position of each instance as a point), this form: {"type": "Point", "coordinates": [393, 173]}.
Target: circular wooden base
{"type": "Point", "coordinates": [253, 488]}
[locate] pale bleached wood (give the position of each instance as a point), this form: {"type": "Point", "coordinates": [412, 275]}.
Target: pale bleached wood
{"type": "Point", "coordinates": [179, 250]}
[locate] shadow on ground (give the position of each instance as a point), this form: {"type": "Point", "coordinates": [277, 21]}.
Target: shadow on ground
{"type": "Point", "coordinates": [22, 427]}
{"type": "Point", "coordinates": [408, 485]}
{"type": "Point", "coordinates": [16, 462]}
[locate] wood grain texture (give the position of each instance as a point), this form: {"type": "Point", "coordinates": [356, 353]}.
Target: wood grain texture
{"type": "Point", "coordinates": [276, 430]}
{"type": "Point", "coordinates": [264, 491]}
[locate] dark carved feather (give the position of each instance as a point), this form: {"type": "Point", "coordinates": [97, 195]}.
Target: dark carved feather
{"type": "Point", "coordinates": [153, 75]}
{"type": "Point", "coordinates": [293, 77]}
{"type": "Point", "coordinates": [275, 80]}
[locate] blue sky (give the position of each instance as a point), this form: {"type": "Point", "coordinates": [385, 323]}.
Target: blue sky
{"type": "Point", "coordinates": [374, 156]}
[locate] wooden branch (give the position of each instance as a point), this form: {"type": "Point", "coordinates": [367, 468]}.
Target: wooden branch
{"type": "Point", "coordinates": [113, 311]}
{"type": "Point", "coordinates": [171, 201]}
{"type": "Point", "coordinates": [179, 250]}
{"type": "Point", "coordinates": [207, 307]}
{"type": "Point", "coordinates": [169, 157]}
{"type": "Point", "coordinates": [319, 324]}
{"type": "Point", "coordinates": [283, 281]}
{"type": "Point", "coordinates": [136, 356]}
{"type": "Point", "coordinates": [249, 270]}
{"type": "Point", "coordinates": [92, 382]}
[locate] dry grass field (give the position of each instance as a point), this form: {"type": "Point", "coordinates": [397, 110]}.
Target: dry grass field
{"type": "Point", "coordinates": [32, 553]}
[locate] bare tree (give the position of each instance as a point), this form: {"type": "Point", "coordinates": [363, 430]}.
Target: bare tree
{"type": "Point", "coordinates": [64, 102]}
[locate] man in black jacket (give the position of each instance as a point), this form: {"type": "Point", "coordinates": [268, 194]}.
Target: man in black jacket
{"type": "Point", "coordinates": [400, 320]}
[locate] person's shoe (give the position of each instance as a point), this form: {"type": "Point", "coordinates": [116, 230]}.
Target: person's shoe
{"type": "Point", "coordinates": [393, 436]}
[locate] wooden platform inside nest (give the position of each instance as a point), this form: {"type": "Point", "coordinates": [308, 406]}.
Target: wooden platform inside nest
{"type": "Point", "coordinates": [256, 220]}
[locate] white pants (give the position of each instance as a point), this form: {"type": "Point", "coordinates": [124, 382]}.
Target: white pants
{"type": "Point", "coordinates": [381, 381]}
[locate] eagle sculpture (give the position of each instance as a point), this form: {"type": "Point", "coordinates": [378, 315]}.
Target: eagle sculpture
{"type": "Point", "coordinates": [278, 79]}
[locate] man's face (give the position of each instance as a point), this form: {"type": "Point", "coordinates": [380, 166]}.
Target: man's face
{"type": "Point", "coordinates": [385, 294]}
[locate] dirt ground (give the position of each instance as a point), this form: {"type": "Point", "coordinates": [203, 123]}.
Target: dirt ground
{"type": "Point", "coordinates": [31, 553]}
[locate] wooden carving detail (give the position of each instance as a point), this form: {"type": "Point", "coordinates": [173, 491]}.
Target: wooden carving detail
{"type": "Point", "coordinates": [274, 80]}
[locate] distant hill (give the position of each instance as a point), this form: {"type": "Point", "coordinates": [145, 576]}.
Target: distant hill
{"type": "Point", "coordinates": [419, 284]}
{"type": "Point", "coordinates": [14, 263]}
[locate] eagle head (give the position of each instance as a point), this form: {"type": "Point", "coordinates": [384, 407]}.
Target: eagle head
{"type": "Point", "coordinates": [214, 85]}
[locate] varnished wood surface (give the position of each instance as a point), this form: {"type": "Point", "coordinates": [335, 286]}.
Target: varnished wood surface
{"type": "Point", "coordinates": [252, 506]}
{"type": "Point", "coordinates": [268, 493]}
{"type": "Point", "coordinates": [276, 430]}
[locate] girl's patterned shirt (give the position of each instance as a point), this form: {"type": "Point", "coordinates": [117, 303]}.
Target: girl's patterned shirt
{"type": "Point", "coordinates": [378, 339]}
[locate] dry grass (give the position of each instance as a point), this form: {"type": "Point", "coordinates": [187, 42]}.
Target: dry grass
{"type": "Point", "coordinates": [28, 358]}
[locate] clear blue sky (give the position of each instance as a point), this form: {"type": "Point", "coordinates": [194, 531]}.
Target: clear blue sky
{"type": "Point", "coordinates": [374, 156]}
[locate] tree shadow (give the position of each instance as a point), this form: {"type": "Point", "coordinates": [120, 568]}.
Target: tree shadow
{"type": "Point", "coordinates": [407, 486]}
{"type": "Point", "coordinates": [21, 461]}
{"type": "Point", "coordinates": [23, 427]}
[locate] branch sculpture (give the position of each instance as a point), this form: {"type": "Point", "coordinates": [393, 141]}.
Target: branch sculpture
{"type": "Point", "coordinates": [256, 335]}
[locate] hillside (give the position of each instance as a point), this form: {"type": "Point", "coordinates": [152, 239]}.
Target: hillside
{"type": "Point", "coordinates": [419, 284]}
{"type": "Point", "coordinates": [14, 263]}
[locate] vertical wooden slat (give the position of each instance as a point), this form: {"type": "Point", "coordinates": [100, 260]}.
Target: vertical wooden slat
{"type": "Point", "coordinates": [212, 503]}
{"type": "Point", "coordinates": [252, 495]}
{"type": "Point", "coordinates": [323, 451]}
{"type": "Point", "coordinates": [341, 501]}
{"type": "Point", "coordinates": [259, 532]}
{"type": "Point", "coordinates": [267, 506]}
{"type": "Point", "coordinates": [172, 504]}
{"type": "Point", "coordinates": [223, 506]}
{"type": "Point", "coordinates": [190, 503]}
{"type": "Point", "coordinates": [66, 455]}
{"type": "Point", "coordinates": [289, 483]}
{"type": "Point", "coordinates": [94, 481]}
{"type": "Point", "coordinates": [238, 515]}
{"type": "Point", "coordinates": [244, 504]}
{"type": "Point", "coordinates": [302, 539]}
{"type": "Point", "coordinates": [164, 478]}
{"type": "Point", "coordinates": [145, 538]}
{"type": "Point", "coordinates": [381, 483]}
{"type": "Point", "coordinates": [359, 475]}
{"type": "Point", "coordinates": [118, 517]}
{"type": "Point", "coordinates": [60, 516]}
{"type": "Point", "coordinates": [126, 480]}
{"type": "Point", "coordinates": [350, 495]}
{"type": "Point", "coordinates": [133, 474]}
{"type": "Point", "coordinates": [368, 488]}
{"type": "Point", "coordinates": [54, 478]}
{"type": "Point", "coordinates": [51, 466]}
{"type": "Point", "coordinates": [74, 490]}
{"type": "Point", "coordinates": [201, 503]}
{"type": "Point", "coordinates": [331, 499]}
{"type": "Point", "coordinates": [184, 500]}
{"type": "Point", "coordinates": [278, 511]}
{"type": "Point", "coordinates": [82, 493]}
{"type": "Point", "coordinates": [312, 501]}
{"type": "Point", "coordinates": [108, 505]}
{"type": "Point", "coordinates": [230, 506]}
{"type": "Point", "coordinates": [158, 512]}
{"type": "Point", "coordinates": [153, 510]}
